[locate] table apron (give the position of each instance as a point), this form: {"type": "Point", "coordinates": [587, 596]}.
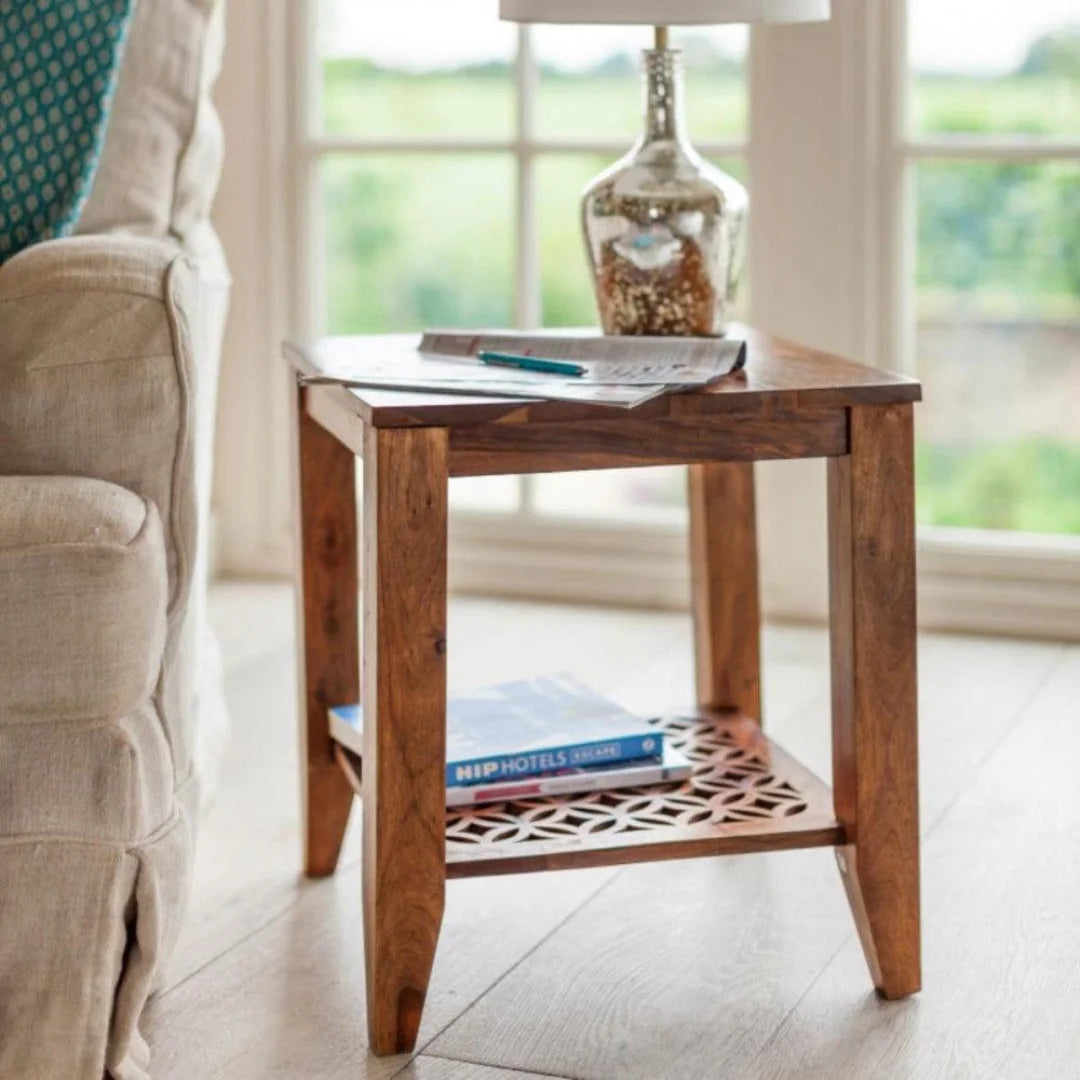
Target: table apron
{"type": "Point", "coordinates": [624, 442]}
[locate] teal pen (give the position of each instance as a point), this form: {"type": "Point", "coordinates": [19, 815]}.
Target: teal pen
{"type": "Point", "coordinates": [530, 363]}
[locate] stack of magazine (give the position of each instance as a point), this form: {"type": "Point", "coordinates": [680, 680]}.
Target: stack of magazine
{"type": "Point", "coordinates": [534, 737]}
{"type": "Point", "coordinates": [622, 372]}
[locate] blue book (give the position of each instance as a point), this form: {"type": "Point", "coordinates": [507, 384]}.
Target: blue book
{"type": "Point", "coordinates": [526, 728]}
{"type": "Point", "coordinates": [673, 768]}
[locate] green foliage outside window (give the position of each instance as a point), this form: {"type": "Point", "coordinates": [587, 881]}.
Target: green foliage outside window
{"type": "Point", "coordinates": [417, 240]}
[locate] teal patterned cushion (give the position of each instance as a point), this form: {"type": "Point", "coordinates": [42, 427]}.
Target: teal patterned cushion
{"type": "Point", "coordinates": [58, 65]}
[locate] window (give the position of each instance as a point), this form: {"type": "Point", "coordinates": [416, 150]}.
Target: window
{"type": "Point", "coordinates": [445, 170]}
{"type": "Point", "coordinates": [992, 159]}
{"type": "Point", "coordinates": [915, 175]}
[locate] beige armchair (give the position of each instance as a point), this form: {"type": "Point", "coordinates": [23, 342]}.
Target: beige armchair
{"type": "Point", "coordinates": [109, 351]}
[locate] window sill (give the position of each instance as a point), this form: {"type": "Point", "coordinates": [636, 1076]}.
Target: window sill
{"type": "Point", "coordinates": [972, 581]}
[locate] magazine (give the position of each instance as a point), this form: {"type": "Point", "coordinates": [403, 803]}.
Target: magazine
{"type": "Point", "coordinates": [527, 727]}
{"type": "Point", "coordinates": [623, 372]}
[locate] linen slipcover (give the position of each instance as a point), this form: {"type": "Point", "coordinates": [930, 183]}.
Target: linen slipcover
{"type": "Point", "coordinates": [109, 351]}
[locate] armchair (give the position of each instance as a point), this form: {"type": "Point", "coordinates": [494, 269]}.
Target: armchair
{"type": "Point", "coordinates": [109, 350]}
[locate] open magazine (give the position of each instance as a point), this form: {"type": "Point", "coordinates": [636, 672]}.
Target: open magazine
{"type": "Point", "coordinates": [619, 371]}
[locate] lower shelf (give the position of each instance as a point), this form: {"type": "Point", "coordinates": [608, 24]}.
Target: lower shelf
{"type": "Point", "coordinates": [746, 794]}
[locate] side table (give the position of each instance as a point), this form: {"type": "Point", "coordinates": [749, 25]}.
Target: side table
{"type": "Point", "coordinates": [746, 793]}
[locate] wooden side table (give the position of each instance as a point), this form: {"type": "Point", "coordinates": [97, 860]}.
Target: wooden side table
{"type": "Point", "coordinates": [746, 794]}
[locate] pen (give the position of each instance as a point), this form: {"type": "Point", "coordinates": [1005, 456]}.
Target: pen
{"type": "Point", "coordinates": [530, 363]}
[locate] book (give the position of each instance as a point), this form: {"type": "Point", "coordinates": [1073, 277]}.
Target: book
{"type": "Point", "coordinates": [672, 768]}
{"type": "Point", "coordinates": [623, 372]}
{"type": "Point", "coordinates": [526, 728]}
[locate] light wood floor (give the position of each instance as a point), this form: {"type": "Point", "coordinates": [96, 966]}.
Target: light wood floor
{"type": "Point", "coordinates": [744, 967]}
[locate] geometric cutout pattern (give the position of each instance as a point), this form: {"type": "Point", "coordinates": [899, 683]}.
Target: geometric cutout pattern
{"type": "Point", "coordinates": [733, 781]}
{"type": "Point", "coordinates": [58, 65]}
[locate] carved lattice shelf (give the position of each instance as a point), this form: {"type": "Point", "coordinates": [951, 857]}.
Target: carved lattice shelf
{"type": "Point", "coordinates": [745, 794]}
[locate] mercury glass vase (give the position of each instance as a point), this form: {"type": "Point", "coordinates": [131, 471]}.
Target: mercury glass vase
{"type": "Point", "coordinates": [665, 230]}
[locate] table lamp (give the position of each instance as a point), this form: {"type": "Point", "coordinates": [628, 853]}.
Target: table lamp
{"type": "Point", "coordinates": [665, 230]}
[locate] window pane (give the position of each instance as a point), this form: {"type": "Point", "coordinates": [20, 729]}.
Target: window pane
{"type": "Point", "coordinates": [417, 240]}
{"type": "Point", "coordinates": [653, 495]}
{"type": "Point", "coordinates": [381, 76]}
{"type": "Point", "coordinates": [995, 66]}
{"type": "Point", "coordinates": [487, 494]}
{"type": "Point", "coordinates": [998, 304]}
{"type": "Point", "coordinates": [590, 80]}
{"type": "Point", "coordinates": [566, 288]}
{"type": "Point", "coordinates": [413, 241]}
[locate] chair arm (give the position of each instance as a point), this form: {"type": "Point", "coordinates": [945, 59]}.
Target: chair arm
{"type": "Point", "coordinates": [98, 340]}
{"type": "Point", "coordinates": [82, 597]}
{"type": "Point", "coordinates": [82, 636]}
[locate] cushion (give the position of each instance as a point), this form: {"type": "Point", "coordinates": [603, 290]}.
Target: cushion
{"type": "Point", "coordinates": [121, 789]}
{"type": "Point", "coordinates": [61, 510]}
{"type": "Point", "coordinates": [91, 383]}
{"type": "Point", "coordinates": [58, 65]}
{"type": "Point", "coordinates": [163, 147]}
{"type": "Point", "coordinates": [101, 338]}
{"type": "Point", "coordinates": [83, 588]}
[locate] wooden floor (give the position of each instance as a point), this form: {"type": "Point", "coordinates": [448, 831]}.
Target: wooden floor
{"type": "Point", "coordinates": [744, 967]}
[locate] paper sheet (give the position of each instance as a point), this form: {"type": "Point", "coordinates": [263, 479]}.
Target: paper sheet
{"type": "Point", "coordinates": [621, 372]}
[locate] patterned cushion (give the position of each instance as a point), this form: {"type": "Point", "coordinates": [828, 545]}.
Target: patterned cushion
{"type": "Point", "coordinates": [58, 66]}
{"type": "Point", "coordinates": [163, 148]}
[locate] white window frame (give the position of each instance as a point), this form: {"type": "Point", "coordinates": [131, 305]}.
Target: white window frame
{"type": "Point", "coordinates": [1014, 581]}
{"type": "Point", "coordinates": [826, 132]}
{"type": "Point", "coordinates": [524, 147]}
{"type": "Point", "coordinates": [856, 173]}
{"type": "Point", "coordinates": [522, 551]}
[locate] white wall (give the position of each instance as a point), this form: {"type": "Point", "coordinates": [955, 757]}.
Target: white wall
{"type": "Point", "coordinates": [812, 228]}
{"type": "Point", "coordinates": [251, 475]}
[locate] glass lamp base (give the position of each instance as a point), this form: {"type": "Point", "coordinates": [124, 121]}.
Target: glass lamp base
{"type": "Point", "coordinates": [665, 230]}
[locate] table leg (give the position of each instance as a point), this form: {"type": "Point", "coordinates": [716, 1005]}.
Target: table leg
{"type": "Point", "coordinates": [874, 707]}
{"type": "Point", "coordinates": [724, 575]}
{"type": "Point", "coordinates": [404, 760]}
{"type": "Point", "coordinates": [327, 605]}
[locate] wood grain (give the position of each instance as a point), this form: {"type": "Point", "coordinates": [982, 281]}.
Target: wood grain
{"type": "Point", "coordinates": [724, 587]}
{"type": "Point", "coordinates": [792, 403]}
{"type": "Point", "coordinates": [874, 700]}
{"type": "Point", "coordinates": [245, 872]}
{"type": "Point", "coordinates": [246, 859]}
{"type": "Point", "coordinates": [332, 408]}
{"type": "Point", "coordinates": [679, 971]}
{"type": "Point", "coordinates": [757, 796]}
{"type": "Point", "coordinates": [272, 968]}
{"type": "Point", "coordinates": [1002, 874]}
{"type": "Point", "coordinates": [287, 1002]}
{"type": "Point", "coordinates": [776, 369]}
{"type": "Point", "coordinates": [652, 846]}
{"type": "Point", "coordinates": [404, 760]}
{"type": "Point", "coordinates": [437, 1068]}
{"type": "Point", "coordinates": [768, 432]}
{"type": "Point", "coordinates": [327, 615]}
{"type": "Point", "coordinates": [754, 797]}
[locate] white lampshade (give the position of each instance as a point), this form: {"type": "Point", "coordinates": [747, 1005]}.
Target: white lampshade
{"type": "Point", "coordinates": [664, 12]}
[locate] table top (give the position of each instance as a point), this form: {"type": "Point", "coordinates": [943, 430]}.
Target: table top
{"type": "Point", "coordinates": [777, 372]}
